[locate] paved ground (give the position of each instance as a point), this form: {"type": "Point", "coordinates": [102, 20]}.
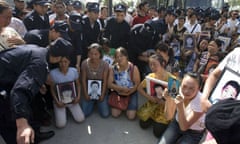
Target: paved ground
{"type": "Point", "coordinates": [103, 131]}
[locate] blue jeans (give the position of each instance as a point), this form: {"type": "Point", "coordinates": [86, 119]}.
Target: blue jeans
{"type": "Point", "coordinates": [103, 108]}
{"type": "Point", "coordinates": [133, 103]}
{"type": "Point", "coordinates": [174, 135]}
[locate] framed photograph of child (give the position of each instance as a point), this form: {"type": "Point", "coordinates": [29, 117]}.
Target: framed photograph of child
{"type": "Point", "coordinates": [226, 87]}
{"type": "Point", "coordinates": [94, 89]}
{"type": "Point", "coordinates": [66, 92]}
{"type": "Point", "coordinates": [189, 41]}
{"type": "Point", "coordinates": [225, 42]}
{"type": "Point", "coordinates": [155, 87]}
{"type": "Point", "coordinates": [176, 48]}
{"type": "Point", "coordinates": [173, 86]}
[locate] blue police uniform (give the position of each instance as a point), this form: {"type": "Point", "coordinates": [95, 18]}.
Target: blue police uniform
{"type": "Point", "coordinates": [34, 21]}
{"type": "Point", "coordinates": [141, 38]}
{"type": "Point", "coordinates": [23, 71]}
{"type": "Point", "coordinates": [117, 33]}
{"type": "Point", "coordinates": [90, 34]}
{"type": "Point", "coordinates": [38, 37]}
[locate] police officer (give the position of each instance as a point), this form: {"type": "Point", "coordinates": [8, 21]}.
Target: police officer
{"type": "Point", "coordinates": [91, 26]}
{"type": "Point", "coordinates": [38, 18]}
{"type": "Point", "coordinates": [78, 7]}
{"type": "Point", "coordinates": [75, 33]}
{"type": "Point", "coordinates": [22, 74]}
{"type": "Point", "coordinates": [141, 37]}
{"type": "Point", "coordinates": [117, 30]}
{"type": "Point", "coordinates": [43, 37]}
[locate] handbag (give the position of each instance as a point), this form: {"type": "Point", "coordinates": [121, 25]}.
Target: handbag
{"type": "Point", "coordinates": [117, 101]}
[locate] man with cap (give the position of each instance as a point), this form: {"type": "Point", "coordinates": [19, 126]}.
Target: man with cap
{"type": "Point", "coordinates": [117, 30]}
{"type": "Point", "coordinates": [44, 36]}
{"type": "Point", "coordinates": [141, 38]}
{"type": "Point", "coordinates": [23, 72]}
{"type": "Point", "coordinates": [38, 18]}
{"type": "Point", "coordinates": [19, 8]}
{"type": "Point", "coordinates": [75, 33]}
{"type": "Point", "coordinates": [91, 26]}
{"type": "Point", "coordinates": [77, 6]}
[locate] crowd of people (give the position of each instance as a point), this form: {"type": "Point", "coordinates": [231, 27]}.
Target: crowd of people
{"type": "Point", "coordinates": [89, 54]}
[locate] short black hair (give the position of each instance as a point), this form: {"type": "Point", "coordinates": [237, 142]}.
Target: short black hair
{"type": "Point", "coordinates": [233, 84]}
{"type": "Point", "coordinates": [195, 76]}
{"type": "Point", "coordinates": [94, 82]}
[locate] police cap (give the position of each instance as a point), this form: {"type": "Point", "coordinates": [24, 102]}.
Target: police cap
{"type": "Point", "coordinates": [41, 2]}
{"type": "Point", "coordinates": [120, 8]}
{"type": "Point", "coordinates": [62, 28]}
{"type": "Point", "coordinates": [75, 21]}
{"type": "Point", "coordinates": [60, 47]}
{"type": "Point", "coordinates": [77, 4]}
{"type": "Point", "coordinates": [92, 7]}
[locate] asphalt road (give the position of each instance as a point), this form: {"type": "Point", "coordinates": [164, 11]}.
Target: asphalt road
{"type": "Point", "coordinates": [96, 130]}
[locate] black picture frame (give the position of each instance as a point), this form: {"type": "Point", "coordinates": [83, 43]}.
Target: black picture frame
{"type": "Point", "coordinates": [94, 88]}
{"type": "Point", "coordinates": [189, 41]}
{"type": "Point", "coordinates": [66, 92]}
{"type": "Point", "coordinates": [227, 76]}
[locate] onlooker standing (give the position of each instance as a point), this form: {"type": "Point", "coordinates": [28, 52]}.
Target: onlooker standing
{"type": "Point", "coordinates": [8, 36]}
{"type": "Point", "coordinates": [142, 14]}
{"type": "Point", "coordinates": [19, 8]}
{"type": "Point", "coordinates": [60, 13]}
{"type": "Point", "coordinates": [38, 18]}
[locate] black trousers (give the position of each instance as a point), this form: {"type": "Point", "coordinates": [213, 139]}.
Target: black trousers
{"type": "Point", "coordinates": [8, 127]}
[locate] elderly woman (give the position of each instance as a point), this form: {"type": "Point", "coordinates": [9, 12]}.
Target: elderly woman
{"type": "Point", "coordinates": [124, 78]}
{"type": "Point", "coordinates": [8, 36]}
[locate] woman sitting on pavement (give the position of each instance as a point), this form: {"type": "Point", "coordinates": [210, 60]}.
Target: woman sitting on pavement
{"type": "Point", "coordinates": [188, 124]}
{"type": "Point", "coordinates": [124, 78]}
{"type": "Point", "coordinates": [156, 115]}
{"type": "Point", "coordinates": [59, 76]}
{"type": "Point", "coordinates": [95, 69]}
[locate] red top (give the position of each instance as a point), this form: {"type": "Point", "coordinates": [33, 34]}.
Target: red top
{"type": "Point", "coordinates": [140, 19]}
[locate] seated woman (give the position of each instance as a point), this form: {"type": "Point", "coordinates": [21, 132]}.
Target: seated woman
{"type": "Point", "coordinates": [188, 125]}
{"type": "Point", "coordinates": [124, 78]}
{"type": "Point", "coordinates": [95, 69]}
{"type": "Point", "coordinates": [156, 115]}
{"type": "Point", "coordinates": [59, 76]}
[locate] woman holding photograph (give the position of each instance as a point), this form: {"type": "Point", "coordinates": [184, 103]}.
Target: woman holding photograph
{"type": "Point", "coordinates": [60, 75]}
{"type": "Point", "coordinates": [188, 123]}
{"type": "Point", "coordinates": [152, 112]}
{"type": "Point", "coordinates": [94, 68]}
{"type": "Point", "coordinates": [167, 53]}
{"type": "Point", "coordinates": [124, 78]}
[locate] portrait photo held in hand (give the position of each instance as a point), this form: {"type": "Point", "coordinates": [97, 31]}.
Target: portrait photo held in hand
{"type": "Point", "coordinates": [226, 87]}
{"type": "Point", "coordinates": [176, 49]}
{"type": "Point", "coordinates": [225, 42]}
{"type": "Point", "coordinates": [66, 92]}
{"type": "Point", "coordinates": [189, 41]}
{"type": "Point", "coordinates": [173, 86]}
{"type": "Point", "coordinates": [155, 87]}
{"type": "Point", "coordinates": [94, 89]}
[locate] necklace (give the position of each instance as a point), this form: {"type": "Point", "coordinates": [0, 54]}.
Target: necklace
{"type": "Point", "coordinates": [93, 68]}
